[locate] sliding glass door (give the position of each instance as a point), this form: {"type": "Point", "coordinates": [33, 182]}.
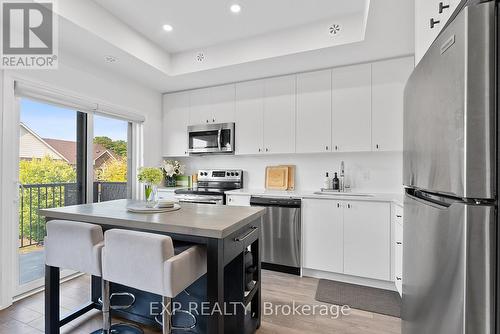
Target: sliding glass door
{"type": "Point", "coordinates": [52, 173]}
{"type": "Point", "coordinates": [110, 156]}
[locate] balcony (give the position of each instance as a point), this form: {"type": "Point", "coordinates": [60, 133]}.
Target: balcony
{"type": "Point", "coordinates": [33, 197]}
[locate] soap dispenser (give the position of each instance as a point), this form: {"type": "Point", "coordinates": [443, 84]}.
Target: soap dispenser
{"type": "Point", "coordinates": [327, 184]}
{"type": "Point", "coordinates": [335, 182]}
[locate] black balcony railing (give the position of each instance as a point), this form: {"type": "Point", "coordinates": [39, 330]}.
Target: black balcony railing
{"type": "Point", "coordinates": [51, 195]}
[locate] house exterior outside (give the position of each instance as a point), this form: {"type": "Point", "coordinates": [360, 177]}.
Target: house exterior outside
{"type": "Point", "coordinates": [32, 146]}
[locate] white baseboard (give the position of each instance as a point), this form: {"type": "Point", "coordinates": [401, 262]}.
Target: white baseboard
{"type": "Point", "coordinates": [386, 285]}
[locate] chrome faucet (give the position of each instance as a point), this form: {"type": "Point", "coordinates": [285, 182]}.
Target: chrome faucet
{"type": "Point", "coordinates": [342, 177]}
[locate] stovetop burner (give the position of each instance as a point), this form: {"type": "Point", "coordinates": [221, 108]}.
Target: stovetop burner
{"type": "Point", "coordinates": [215, 182]}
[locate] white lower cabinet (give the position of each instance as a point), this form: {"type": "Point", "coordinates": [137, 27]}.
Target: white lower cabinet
{"type": "Point", "coordinates": [347, 237]}
{"type": "Point", "coordinates": [398, 248]}
{"type": "Point", "coordinates": [367, 240]}
{"type": "Point", "coordinates": [322, 235]}
{"type": "Point", "coordinates": [238, 200]}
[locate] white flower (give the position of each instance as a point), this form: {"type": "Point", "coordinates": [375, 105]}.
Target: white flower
{"type": "Point", "coordinates": [173, 168]}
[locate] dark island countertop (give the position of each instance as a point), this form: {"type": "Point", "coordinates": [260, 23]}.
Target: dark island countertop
{"type": "Point", "coordinates": [203, 220]}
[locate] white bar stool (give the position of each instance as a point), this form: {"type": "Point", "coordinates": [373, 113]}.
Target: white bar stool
{"type": "Point", "coordinates": [78, 246]}
{"type": "Point", "coordinates": [147, 262]}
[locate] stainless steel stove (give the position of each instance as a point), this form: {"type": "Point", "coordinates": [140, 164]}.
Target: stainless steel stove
{"type": "Point", "coordinates": [212, 183]}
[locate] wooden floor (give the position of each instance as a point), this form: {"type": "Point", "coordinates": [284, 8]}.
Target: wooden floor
{"type": "Point", "coordinates": [26, 316]}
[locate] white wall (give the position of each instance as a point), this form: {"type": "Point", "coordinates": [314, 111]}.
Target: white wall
{"type": "Point", "coordinates": [366, 171]}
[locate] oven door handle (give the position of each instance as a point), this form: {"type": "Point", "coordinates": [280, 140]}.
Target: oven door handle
{"type": "Point", "coordinates": [201, 201]}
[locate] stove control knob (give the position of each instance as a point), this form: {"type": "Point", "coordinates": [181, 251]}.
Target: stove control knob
{"type": "Point", "coordinates": [232, 174]}
{"type": "Point", "coordinates": [227, 174]}
{"type": "Point", "coordinates": [237, 174]}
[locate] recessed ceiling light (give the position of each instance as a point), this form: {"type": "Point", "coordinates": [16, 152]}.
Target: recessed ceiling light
{"type": "Point", "coordinates": [168, 27]}
{"type": "Point", "coordinates": [110, 59]}
{"type": "Point", "coordinates": [235, 8]}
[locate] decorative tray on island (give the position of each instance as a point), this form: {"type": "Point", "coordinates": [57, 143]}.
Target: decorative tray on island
{"type": "Point", "coordinates": [142, 208]}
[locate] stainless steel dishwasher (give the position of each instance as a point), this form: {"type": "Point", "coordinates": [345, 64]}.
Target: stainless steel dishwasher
{"type": "Point", "coordinates": [281, 233]}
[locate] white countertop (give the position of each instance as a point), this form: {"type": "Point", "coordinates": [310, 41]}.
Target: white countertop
{"type": "Point", "coordinates": [213, 221]}
{"type": "Point", "coordinates": [379, 197]}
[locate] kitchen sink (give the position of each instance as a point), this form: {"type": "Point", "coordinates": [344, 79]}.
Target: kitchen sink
{"type": "Point", "coordinates": [333, 193]}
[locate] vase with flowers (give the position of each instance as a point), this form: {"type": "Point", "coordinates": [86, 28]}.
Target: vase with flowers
{"type": "Point", "coordinates": [151, 177]}
{"type": "Point", "coordinates": [172, 169]}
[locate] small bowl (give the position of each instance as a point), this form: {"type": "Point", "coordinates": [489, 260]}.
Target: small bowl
{"type": "Point", "coordinates": [166, 203]}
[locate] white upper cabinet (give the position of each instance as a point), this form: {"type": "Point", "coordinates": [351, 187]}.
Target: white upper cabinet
{"type": "Point", "coordinates": [367, 243]}
{"type": "Point", "coordinates": [430, 17]}
{"type": "Point", "coordinates": [249, 117]}
{"type": "Point", "coordinates": [323, 235]}
{"type": "Point", "coordinates": [223, 104]}
{"type": "Point", "coordinates": [279, 115]}
{"type": "Point", "coordinates": [389, 80]}
{"type": "Point", "coordinates": [212, 105]}
{"type": "Point", "coordinates": [347, 109]}
{"type": "Point", "coordinates": [351, 108]}
{"type": "Point", "coordinates": [314, 112]}
{"type": "Point", "coordinates": [200, 111]}
{"type": "Point", "coordinates": [175, 123]}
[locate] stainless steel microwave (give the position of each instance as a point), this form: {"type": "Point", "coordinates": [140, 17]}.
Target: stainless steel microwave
{"type": "Point", "coordinates": [211, 138]}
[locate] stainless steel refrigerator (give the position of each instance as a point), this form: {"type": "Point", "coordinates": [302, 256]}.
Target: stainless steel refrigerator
{"type": "Point", "coordinates": [450, 173]}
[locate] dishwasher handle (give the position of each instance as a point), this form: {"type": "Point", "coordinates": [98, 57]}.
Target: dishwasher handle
{"type": "Point", "coordinates": [275, 201]}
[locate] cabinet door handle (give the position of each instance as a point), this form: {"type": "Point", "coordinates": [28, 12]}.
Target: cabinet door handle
{"type": "Point", "coordinates": [398, 278]}
{"type": "Point", "coordinates": [230, 199]}
{"type": "Point", "coordinates": [213, 120]}
{"type": "Point", "coordinates": [336, 148]}
{"type": "Point", "coordinates": [442, 7]}
{"type": "Point", "coordinates": [434, 22]}
{"type": "Point", "coordinates": [338, 205]}
{"type": "Point", "coordinates": [399, 243]}
{"type": "Point", "coordinates": [267, 150]}
{"type": "Point", "coordinates": [260, 150]}
{"type": "Point", "coordinates": [207, 120]}
{"type": "Point", "coordinates": [399, 216]}
{"type": "Point", "coordinates": [246, 235]}
{"type": "Point", "coordinates": [348, 206]}
{"type": "Point", "coordinates": [326, 147]}
{"type": "Point", "coordinates": [377, 146]}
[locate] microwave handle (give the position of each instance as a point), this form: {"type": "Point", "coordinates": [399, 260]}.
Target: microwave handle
{"type": "Point", "coordinates": [219, 135]}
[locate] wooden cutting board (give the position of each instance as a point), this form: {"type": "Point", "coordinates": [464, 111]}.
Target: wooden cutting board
{"type": "Point", "coordinates": [277, 177]}
{"type": "Point", "coordinates": [291, 176]}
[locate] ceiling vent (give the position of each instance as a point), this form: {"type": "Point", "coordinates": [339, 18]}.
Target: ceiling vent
{"type": "Point", "coordinates": [334, 29]}
{"type": "Point", "coordinates": [200, 57]}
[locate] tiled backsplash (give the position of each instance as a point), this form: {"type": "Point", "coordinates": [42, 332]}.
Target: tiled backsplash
{"type": "Point", "coordinates": [365, 171]}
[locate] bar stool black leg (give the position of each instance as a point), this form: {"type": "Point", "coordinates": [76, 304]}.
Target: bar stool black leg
{"type": "Point", "coordinates": [52, 276]}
